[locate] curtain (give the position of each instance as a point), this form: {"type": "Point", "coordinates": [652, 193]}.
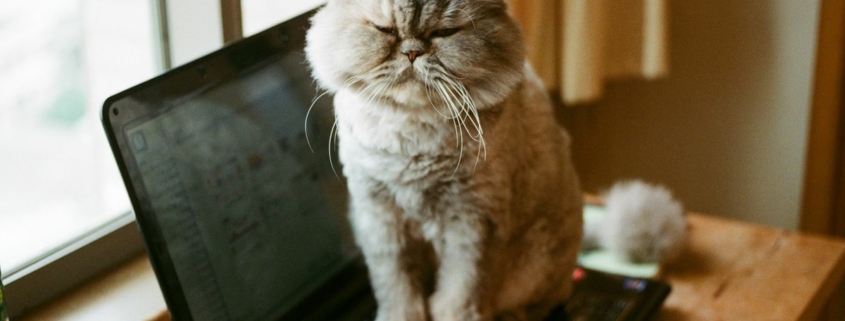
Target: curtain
{"type": "Point", "coordinates": [576, 45]}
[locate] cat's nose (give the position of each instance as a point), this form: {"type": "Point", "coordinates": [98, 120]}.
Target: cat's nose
{"type": "Point", "coordinates": [413, 48]}
{"type": "Point", "coordinates": [412, 55]}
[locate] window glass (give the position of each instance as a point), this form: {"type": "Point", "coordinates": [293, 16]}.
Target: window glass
{"type": "Point", "coordinates": [262, 14]}
{"type": "Point", "coordinates": [59, 60]}
{"type": "Point", "coordinates": [194, 29]}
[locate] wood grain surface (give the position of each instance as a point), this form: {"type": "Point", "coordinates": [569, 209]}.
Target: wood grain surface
{"type": "Point", "coordinates": [738, 271]}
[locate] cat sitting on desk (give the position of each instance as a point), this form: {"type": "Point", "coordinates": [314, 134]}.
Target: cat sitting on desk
{"type": "Point", "coordinates": [464, 200]}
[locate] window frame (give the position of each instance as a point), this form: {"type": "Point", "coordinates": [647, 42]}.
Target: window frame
{"type": "Point", "coordinates": [72, 264]}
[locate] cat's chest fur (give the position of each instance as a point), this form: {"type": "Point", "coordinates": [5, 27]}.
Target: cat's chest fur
{"type": "Point", "coordinates": [400, 146]}
{"type": "Point", "coordinates": [414, 155]}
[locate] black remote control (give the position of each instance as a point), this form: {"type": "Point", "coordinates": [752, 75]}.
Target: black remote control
{"type": "Point", "coordinates": [601, 296]}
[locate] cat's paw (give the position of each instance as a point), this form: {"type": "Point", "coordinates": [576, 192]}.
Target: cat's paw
{"type": "Point", "coordinates": [446, 308]}
{"type": "Point", "coordinates": [402, 312]}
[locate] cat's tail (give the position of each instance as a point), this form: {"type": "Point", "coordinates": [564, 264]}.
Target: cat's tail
{"type": "Point", "coordinates": [641, 223]}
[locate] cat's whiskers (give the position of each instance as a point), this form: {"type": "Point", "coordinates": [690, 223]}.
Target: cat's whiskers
{"type": "Point", "coordinates": [333, 133]}
{"type": "Point", "coordinates": [308, 113]}
{"type": "Point", "coordinates": [468, 105]}
{"type": "Point", "coordinates": [379, 95]}
{"type": "Point", "coordinates": [457, 104]}
{"type": "Point", "coordinates": [459, 99]}
{"type": "Point", "coordinates": [346, 84]}
{"type": "Point", "coordinates": [455, 123]}
{"type": "Point", "coordinates": [386, 87]}
{"type": "Point", "coordinates": [373, 88]}
{"type": "Point", "coordinates": [477, 122]}
{"type": "Point", "coordinates": [427, 84]}
{"type": "Point", "coordinates": [452, 116]}
{"type": "Point", "coordinates": [370, 93]}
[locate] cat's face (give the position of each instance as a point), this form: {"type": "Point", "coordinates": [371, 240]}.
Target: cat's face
{"type": "Point", "coordinates": [417, 52]}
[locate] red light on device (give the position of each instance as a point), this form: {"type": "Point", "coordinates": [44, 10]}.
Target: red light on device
{"type": "Point", "coordinates": [578, 274]}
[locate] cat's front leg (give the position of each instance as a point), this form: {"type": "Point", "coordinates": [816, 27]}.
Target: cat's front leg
{"type": "Point", "coordinates": [378, 227]}
{"type": "Point", "coordinates": [463, 286]}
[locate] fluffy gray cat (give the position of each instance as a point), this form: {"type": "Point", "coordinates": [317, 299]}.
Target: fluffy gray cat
{"type": "Point", "coordinates": [465, 202]}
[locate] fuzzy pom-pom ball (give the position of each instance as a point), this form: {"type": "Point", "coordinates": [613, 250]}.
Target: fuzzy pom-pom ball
{"type": "Point", "coordinates": [642, 223]}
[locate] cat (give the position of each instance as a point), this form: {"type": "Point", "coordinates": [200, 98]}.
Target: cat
{"type": "Point", "coordinates": [464, 199]}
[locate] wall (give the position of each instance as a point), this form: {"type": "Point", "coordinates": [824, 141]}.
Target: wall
{"type": "Point", "coordinates": [727, 130]}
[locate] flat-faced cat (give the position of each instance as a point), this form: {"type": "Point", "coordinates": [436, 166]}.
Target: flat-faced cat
{"type": "Point", "coordinates": [465, 202]}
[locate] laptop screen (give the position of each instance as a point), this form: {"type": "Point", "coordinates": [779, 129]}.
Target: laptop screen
{"type": "Point", "coordinates": [237, 177]}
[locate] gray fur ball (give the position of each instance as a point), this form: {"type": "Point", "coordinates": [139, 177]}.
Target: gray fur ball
{"type": "Point", "coordinates": [643, 223]}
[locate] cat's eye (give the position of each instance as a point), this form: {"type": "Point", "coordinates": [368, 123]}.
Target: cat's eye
{"type": "Point", "coordinates": [387, 30]}
{"type": "Point", "coordinates": [445, 32]}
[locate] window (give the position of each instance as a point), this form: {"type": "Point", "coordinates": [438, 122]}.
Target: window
{"type": "Point", "coordinates": [64, 213]}
{"type": "Point", "coordinates": [58, 61]}
{"type": "Point", "coordinates": [262, 14]}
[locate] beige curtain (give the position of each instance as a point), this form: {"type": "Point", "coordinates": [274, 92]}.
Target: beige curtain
{"type": "Point", "coordinates": [576, 45]}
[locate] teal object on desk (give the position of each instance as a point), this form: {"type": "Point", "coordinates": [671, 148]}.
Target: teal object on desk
{"type": "Point", "coordinates": [607, 261]}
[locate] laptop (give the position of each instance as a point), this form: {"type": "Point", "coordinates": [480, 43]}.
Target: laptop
{"type": "Point", "coordinates": [229, 164]}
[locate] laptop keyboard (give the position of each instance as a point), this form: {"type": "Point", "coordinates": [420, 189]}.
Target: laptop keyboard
{"type": "Point", "coordinates": [595, 308]}
{"type": "Point", "coordinates": [582, 307]}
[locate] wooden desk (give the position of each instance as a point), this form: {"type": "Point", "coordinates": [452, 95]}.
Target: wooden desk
{"type": "Point", "coordinates": [738, 271]}
{"type": "Point", "coordinates": [730, 271]}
